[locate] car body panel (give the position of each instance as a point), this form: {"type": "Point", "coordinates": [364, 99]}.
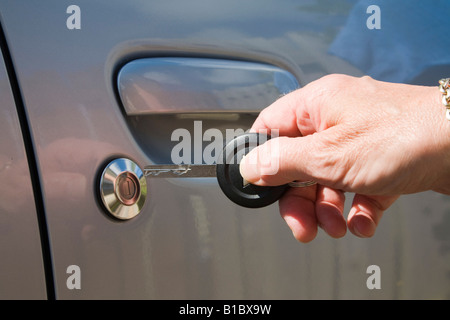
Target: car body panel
{"type": "Point", "coordinates": [190, 241]}
{"type": "Point", "coordinates": [21, 265]}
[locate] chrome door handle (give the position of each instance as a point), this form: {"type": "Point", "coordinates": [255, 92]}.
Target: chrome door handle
{"type": "Point", "coordinates": [192, 85]}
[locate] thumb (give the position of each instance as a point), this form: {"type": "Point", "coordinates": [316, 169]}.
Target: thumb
{"type": "Point", "coordinates": [281, 160]}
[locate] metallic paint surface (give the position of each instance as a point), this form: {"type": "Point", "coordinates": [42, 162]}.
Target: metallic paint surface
{"type": "Point", "coordinates": [190, 241]}
{"type": "Point", "coordinates": [21, 265]}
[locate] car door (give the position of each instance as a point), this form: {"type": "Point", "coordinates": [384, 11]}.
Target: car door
{"type": "Point", "coordinates": [188, 240]}
{"type": "Point", "coordinates": [23, 254]}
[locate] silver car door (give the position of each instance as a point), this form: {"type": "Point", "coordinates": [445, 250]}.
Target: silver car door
{"type": "Point", "coordinates": [189, 241]}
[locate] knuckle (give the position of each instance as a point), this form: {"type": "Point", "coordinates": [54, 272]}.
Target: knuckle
{"type": "Point", "coordinates": [333, 163]}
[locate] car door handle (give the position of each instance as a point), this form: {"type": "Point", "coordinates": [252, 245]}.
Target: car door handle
{"type": "Point", "coordinates": [198, 85]}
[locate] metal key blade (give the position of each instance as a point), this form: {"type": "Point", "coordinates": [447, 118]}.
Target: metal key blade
{"type": "Point", "coordinates": [180, 171]}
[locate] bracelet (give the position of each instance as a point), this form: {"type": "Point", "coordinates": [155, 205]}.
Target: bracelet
{"type": "Point", "coordinates": [444, 86]}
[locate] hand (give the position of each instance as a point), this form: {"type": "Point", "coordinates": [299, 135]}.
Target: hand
{"type": "Point", "coordinates": [378, 140]}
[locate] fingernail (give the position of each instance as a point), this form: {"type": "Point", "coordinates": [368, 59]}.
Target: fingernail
{"type": "Point", "coordinates": [331, 221]}
{"type": "Point", "coordinates": [362, 225]}
{"type": "Point", "coordinates": [357, 232]}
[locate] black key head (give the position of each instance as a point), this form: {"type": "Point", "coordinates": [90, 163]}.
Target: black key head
{"type": "Point", "coordinates": [231, 181]}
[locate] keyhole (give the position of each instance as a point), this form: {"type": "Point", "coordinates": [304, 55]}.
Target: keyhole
{"type": "Point", "coordinates": [127, 188]}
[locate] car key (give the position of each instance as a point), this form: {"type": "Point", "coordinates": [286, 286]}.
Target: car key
{"type": "Point", "coordinates": [227, 172]}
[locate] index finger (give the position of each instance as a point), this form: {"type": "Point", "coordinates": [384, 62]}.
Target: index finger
{"type": "Point", "coordinates": [313, 108]}
{"type": "Point", "coordinates": [280, 115]}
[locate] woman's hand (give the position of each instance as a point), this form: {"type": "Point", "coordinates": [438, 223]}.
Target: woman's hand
{"type": "Point", "coordinates": [379, 140]}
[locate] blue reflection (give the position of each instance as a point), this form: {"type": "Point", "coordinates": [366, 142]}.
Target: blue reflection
{"type": "Point", "coordinates": [411, 39]}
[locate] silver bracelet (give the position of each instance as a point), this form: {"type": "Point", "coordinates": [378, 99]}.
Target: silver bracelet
{"type": "Point", "coordinates": [444, 86]}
